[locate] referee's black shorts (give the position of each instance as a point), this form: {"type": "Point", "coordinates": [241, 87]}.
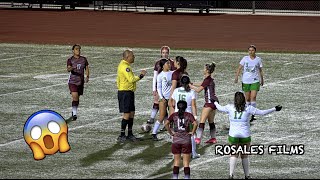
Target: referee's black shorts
{"type": "Point", "coordinates": [126, 101]}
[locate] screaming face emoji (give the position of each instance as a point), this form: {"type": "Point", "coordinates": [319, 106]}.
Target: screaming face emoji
{"type": "Point", "coordinates": [46, 132]}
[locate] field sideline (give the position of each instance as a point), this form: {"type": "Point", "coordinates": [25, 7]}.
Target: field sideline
{"type": "Point", "coordinates": [34, 77]}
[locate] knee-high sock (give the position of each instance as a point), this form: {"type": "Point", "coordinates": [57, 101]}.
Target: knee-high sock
{"type": "Point", "coordinates": [75, 105]}
{"type": "Point", "coordinates": [123, 127]}
{"type": "Point", "coordinates": [248, 103]}
{"type": "Point", "coordinates": [200, 130]}
{"type": "Point", "coordinates": [212, 130]}
{"type": "Point", "coordinates": [156, 127]}
{"type": "Point", "coordinates": [186, 172]}
{"type": "Point", "coordinates": [154, 111]}
{"type": "Point", "coordinates": [175, 173]}
{"type": "Point", "coordinates": [233, 163]}
{"type": "Point", "coordinates": [245, 165]}
{"type": "Point", "coordinates": [193, 144]}
{"type": "Point", "coordinates": [130, 125]}
{"type": "Point", "coordinates": [253, 103]}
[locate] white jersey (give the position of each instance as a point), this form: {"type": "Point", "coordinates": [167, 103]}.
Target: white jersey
{"type": "Point", "coordinates": [239, 121]}
{"type": "Point", "coordinates": [181, 94]}
{"type": "Point", "coordinates": [164, 84]}
{"type": "Point", "coordinates": [250, 69]}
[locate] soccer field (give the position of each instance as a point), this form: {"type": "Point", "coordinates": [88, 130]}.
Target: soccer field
{"type": "Point", "coordinates": [34, 77]}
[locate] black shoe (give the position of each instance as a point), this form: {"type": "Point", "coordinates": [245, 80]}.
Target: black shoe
{"type": "Point", "coordinates": [252, 118]}
{"type": "Point", "coordinates": [74, 117]}
{"type": "Point", "coordinates": [247, 177]}
{"type": "Point", "coordinates": [122, 139]}
{"type": "Point", "coordinates": [163, 129]}
{"type": "Point", "coordinates": [154, 137]}
{"type": "Point", "coordinates": [230, 176]}
{"type": "Point", "coordinates": [132, 138]}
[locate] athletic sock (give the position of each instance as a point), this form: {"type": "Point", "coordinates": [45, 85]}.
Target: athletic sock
{"type": "Point", "coordinates": [200, 130]}
{"type": "Point", "coordinates": [130, 124]}
{"type": "Point", "coordinates": [212, 130]}
{"type": "Point", "coordinates": [245, 165]}
{"type": "Point", "coordinates": [123, 127]}
{"type": "Point", "coordinates": [233, 163]}
{"type": "Point", "coordinates": [156, 127]}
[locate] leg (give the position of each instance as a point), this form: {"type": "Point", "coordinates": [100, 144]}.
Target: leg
{"type": "Point", "coordinates": [176, 165]}
{"type": "Point", "coordinates": [194, 148]}
{"type": "Point", "coordinates": [75, 104]}
{"type": "Point", "coordinates": [162, 113]}
{"type": "Point", "coordinates": [212, 127]}
{"type": "Point", "coordinates": [245, 161]}
{"type": "Point", "coordinates": [186, 162]}
{"type": "Point", "coordinates": [130, 123]}
{"type": "Point", "coordinates": [204, 115]}
{"type": "Point", "coordinates": [155, 108]}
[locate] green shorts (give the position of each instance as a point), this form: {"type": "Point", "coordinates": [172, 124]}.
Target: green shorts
{"type": "Point", "coordinates": [234, 140]}
{"type": "Point", "coordinates": [250, 87]}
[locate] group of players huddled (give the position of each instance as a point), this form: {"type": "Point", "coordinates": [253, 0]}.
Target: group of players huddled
{"type": "Point", "coordinates": [175, 99]}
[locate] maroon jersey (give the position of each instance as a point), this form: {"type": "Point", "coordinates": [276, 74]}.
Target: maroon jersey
{"type": "Point", "coordinates": [176, 75]}
{"type": "Point", "coordinates": [157, 65]}
{"type": "Point", "coordinates": [77, 75]}
{"type": "Point", "coordinates": [182, 127]}
{"type": "Point", "coordinates": [209, 89]}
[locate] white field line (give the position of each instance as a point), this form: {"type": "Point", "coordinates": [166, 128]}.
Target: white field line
{"type": "Point", "coordinates": [215, 158]}
{"type": "Point", "coordinates": [11, 142]}
{"type": "Point", "coordinates": [13, 58]}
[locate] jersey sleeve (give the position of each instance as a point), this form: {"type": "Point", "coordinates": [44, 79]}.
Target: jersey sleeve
{"type": "Point", "coordinates": [159, 86]}
{"type": "Point", "coordinates": [69, 62]}
{"type": "Point", "coordinates": [154, 81]}
{"type": "Point", "coordinates": [127, 72]}
{"type": "Point", "coordinates": [260, 63]}
{"type": "Point", "coordinates": [170, 118]}
{"type": "Point", "coordinates": [174, 95]}
{"type": "Point", "coordinates": [205, 83]}
{"type": "Point", "coordinates": [256, 111]}
{"type": "Point", "coordinates": [193, 94]}
{"type": "Point", "coordinates": [86, 63]}
{"type": "Point", "coordinates": [242, 61]}
{"type": "Point", "coordinates": [221, 108]}
{"type": "Point", "coordinates": [191, 118]}
{"type": "Point", "coordinates": [175, 76]}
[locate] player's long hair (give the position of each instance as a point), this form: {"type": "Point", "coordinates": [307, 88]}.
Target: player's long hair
{"type": "Point", "coordinates": [161, 64]}
{"type": "Point", "coordinates": [210, 67]}
{"type": "Point", "coordinates": [165, 47]}
{"type": "Point", "coordinates": [182, 106]}
{"type": "Point", "coordinates": [184, 81]}
{"type": "Point", "coordinates": [183, 63]}
{"type": "Point", "coordinates": [239, 101]}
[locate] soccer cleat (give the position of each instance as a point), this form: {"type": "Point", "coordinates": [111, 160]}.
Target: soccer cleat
{"type": "Point", "coordinates": [230, 176]}
{"type": "Point", "coordinates": [150, 121]}
{"type": "Point", "coordinates": [195, 156]}
{"type": "Point", "coordinates": [122, 139]}
{"type": "Point", "coordinates": [197, 140]}
{"type": "Point", "coordinates": [132, 138]}
{"type": "Point", "coordinates": [252, 118]}
{"type": "Point", "coordinates": [247, 177]}
{"type": "Point", "coordinates": [74, 117]}
{"type": "Point", "coordinates": [154, 137]}
{"type": "Point", "coordinates": [163, 129]}
{"type": "Point", "coordinates": [212, 141]}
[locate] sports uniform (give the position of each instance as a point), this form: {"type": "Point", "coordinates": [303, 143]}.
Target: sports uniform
{"type": "Point", "coordinates": [76, 77]}
{"type": "Point", "coordinates": [250, 76]}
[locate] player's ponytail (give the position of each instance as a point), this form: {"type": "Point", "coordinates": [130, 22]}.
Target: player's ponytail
{"type": "Point", "coordinates": [184, 81]}
{"type": "Point", "coordinates": [182, 106]}
{"type": "Point", "coordinates": [239, 101]}
{"type": "Point", "coordinates": [183, 63]}
{"type": "Point", "coordinates": [161, 64]}
{"type": "Point", "coordinates": [211, 67]}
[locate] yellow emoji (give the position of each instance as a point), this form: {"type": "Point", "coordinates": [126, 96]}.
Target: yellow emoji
{"type": "Point", "coordinates": [46, 132]}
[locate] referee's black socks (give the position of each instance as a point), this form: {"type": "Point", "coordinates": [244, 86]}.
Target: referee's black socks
{"type": "Point", "coordinates": [130, 124]}
{"type": "Point", "coordinates": [124, 126]}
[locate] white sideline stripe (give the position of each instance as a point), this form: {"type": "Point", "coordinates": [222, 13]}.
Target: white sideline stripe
{"type": "Point", "coordinates": [1, 145]}
{"type": "Point", "coordinates": [215, 158]}
{"type": "Point", "coordinates": [17, 57]}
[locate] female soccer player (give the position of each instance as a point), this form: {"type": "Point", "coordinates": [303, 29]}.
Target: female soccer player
{"type": "Point", "coordinates": [239, 133]}
{"type": "Point", "coordinates": [209, 109]}
{"type": "Point", "coordinates": [163, 87]}
{"type": "Point", "coordinates": [252, 76]}
{"type": "Point", "coordinates": [184, 93]}
{"type": "Point", "coordinates": [164, 51]}
{"type": "Point", "coordinates": [181, 138]}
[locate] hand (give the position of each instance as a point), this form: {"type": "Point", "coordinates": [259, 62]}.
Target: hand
{"type": "Point", "coordinates": [262, 83]}
{"type": "Point", "coordinates": [143, 72]}
{"type": "Point", "coordinates": [155, 93]}
{"type": "Point", "coordinates": [87, 79]}
{"type": "Point", "coordinates": [236, 80]}
{"type": "Point", "coordinates": [278, 108]}
{"type": "Point", "coordinates": [191, 133]}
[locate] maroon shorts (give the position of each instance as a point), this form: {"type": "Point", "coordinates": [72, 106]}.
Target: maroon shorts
{"type": "Point", "coordinates": [181, 148]}
{"type": "Point", "coordinates": [76, 88]}
{"type": "Point", "coordinates": [210, 105]}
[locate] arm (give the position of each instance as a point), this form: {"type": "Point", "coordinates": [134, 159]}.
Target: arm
{"type": "Point", "coordinates": [69, 65]}
{"type": "Point", "coordinates": [159, 87]}
{"type": "Point", "coordinates": [168, 128]}
{"type": "Point", "coordinates": [87, 74]}
{"type": "Point", "coordinates": [154, 82]}
{"type": "Point", "coordinates": [221, 108]}
{"type": "Point", "coordinates": [199, 89]}
{"type": "Point", "coordinates": [130, 76]}
{"type": "Point", "coordinates": [261, 76]}
{"type": "Point", "coordinates": [239, 69]}
{"type": "Point", "coordinates": [263, 112]}
{"type": "Point", "coordinates": [195, 126]}
{"type": "Point", "coordinates": [194, 108]}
